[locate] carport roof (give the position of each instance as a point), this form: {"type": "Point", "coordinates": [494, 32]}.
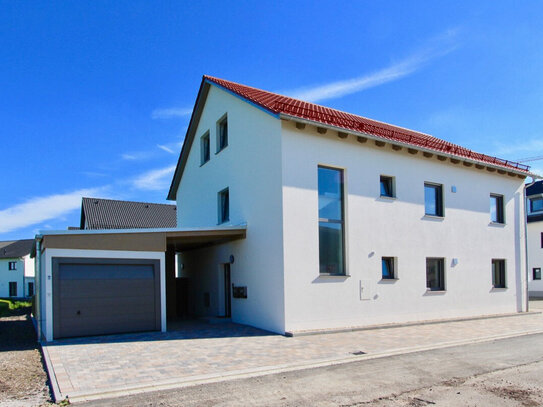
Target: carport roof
{"type": "Point", "coordinates": [155, 240]}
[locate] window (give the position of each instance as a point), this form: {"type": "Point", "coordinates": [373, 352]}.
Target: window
{"type": "Point", "coordinates": [388, 271]}
{"type": "Point", "coordinates": [224, 206]}
{"type": "Point", "coordinates": [498, 273]}
{"type": "Point", "coordinates": [433, 199]}
{"type": "Point", "coordinates": [331, 221]}
{"type": "Point", "coordinates": [496, 208]}
{"type": "Point", "coordinates": [12, 265]}
{"type": "Point", "coordinates": [30, 289]}
{"type": "Point", "coordinates": [435, 274]}
{"type": "Point", "coordinates": [536, 273]}
{"type": "Point", "coordinates": [204, 149]}
{"type": "Point", "coordinates": [387, 186]}
{"type": "Point", "coordinates": [542, 240]}
{"type": "Point", "coordinates": [222, 134]}
{"type": "Point", "coordinates": [13, 289]}
{"type": "Point", "coordinates": [536, 204]}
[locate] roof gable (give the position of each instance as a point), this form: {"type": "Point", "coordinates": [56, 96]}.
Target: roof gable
{"type": "Point", "coordinates": [287, 107]}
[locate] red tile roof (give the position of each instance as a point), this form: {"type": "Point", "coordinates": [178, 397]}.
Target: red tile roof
{"type": "Point", "coordinates": [279, 104]}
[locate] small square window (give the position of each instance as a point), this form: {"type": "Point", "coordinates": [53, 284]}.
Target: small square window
{"type": "Point", "coordinates": [435, 274]}
{"type": "Point", "coordinates": [204, 149]}
{"type": "Point", "coordinates": [12, 265]}
{"type": "Point", "coordinates": [536, 273]}
{"type": "Point", "coordinates": [388, 268]}
{"type": "Point", "coordinates": [224, 206]}
{"type": "Point", "coordinates": [13, 288]}
{"type": "Point", "coordinates": [433, 199]}
{"type": "Point", "coordinates": [387, 186]}
{"type": "Point", "coordinates": [496, 208]}
{"type": "Point", "coordinates": [498, 273]}
{"type": "Point", "coordinates": [222, 134]}
{"type": "Point", "coordinates": [536, 205]}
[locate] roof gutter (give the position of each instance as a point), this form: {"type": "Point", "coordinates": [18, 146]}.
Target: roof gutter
{"type": "Point", "coordinates": [407, 145]}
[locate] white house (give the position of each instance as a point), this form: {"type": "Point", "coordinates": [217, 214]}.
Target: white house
{"type": "Point", "coordinates": [16, 269]}
{"type": "Point", "coordinates": [534, 200]}
{"type": "Point", "coordinates": [293, 217]}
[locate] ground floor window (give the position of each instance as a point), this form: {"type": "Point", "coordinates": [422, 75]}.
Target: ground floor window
{"type": "Point", "coordinates": [498, 273]}
{"type": "Point", "coordinates": [13, 289]}
{"type": "Point", "coordinates": [30, 289]}
{"type": "Point", "coordinates": [388, 269]}
{"type": "Point", "coordinates": [536, 273]}
{"type": "Point", "coordinates": [435, 274]}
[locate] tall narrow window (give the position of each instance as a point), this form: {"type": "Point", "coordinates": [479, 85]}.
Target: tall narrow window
{"type": "Point", "coordinates": [30, 289]}
{"type": "Point", "coordinates": [224, 206]}
{"type": "Point", "coordinates": [387, 186]}
{"type": "Point", "coordinates": [536, 273]}
{"type": "Point", "coordinates": [542, 240]}
{"type": "Point", "coordinates": [435, 274]}
{"type": "Point", "coordinates": [498, 273]}
{"type": "Point", "coordinates": [12, 265]}
{"type": "Point", "coordinates": [13, 288]}
{"type": "Point", "coordinates": [222, 134]}
{"type": "Point", "coordinates": [387, 266]}
{"type": "Point", "coordinates": [433, 199]}
{"type": "Point", "coordinates": [331, 221]}
{"type": "Point", "coordinates": [496, 208]}
{"type": "Point", "coordinates": [204, 148]}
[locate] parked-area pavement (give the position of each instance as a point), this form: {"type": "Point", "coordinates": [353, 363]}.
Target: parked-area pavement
{"type": "Point", "coordinates": [119, 365]}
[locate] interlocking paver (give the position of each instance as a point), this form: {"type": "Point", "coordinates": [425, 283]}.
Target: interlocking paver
{"type": "Point", "coordinates": [100, 364]}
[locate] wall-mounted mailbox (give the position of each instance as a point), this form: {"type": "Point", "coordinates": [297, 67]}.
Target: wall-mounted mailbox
{"type": "Point", "coordinates": [239, 291]}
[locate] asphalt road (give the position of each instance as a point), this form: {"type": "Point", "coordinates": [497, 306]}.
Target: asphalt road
{"type": "Point", "coordinates": [506, 372]}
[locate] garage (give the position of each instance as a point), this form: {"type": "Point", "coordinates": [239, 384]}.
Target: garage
{"type": "Point", "coordinates": [105, 296]}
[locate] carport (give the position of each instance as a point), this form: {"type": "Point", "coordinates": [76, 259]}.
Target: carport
{"type": "Point", "coordinates": [96, 282]}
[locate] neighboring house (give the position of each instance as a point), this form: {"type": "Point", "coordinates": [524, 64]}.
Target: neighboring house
{"type": "Point", "coordinates": [16, 269]}
{"type": "Point", "coordinates": [293, 216]}
{"type": "Point", "coordinates": [99, 213]}
{"type": "Point", "coordinates": [534, 200]}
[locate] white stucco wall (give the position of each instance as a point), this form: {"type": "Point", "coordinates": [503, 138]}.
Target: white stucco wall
{"type": "Point", "coordinates": [535, 257]}
{"type": "Point", "coordinates": [46, 282]}
{"type": "Point", "coordinates": [251, 168]}
{"type": "Point", "coordinates": [7, 276]}
{"type": "Point", "coordinates": [377, 227]}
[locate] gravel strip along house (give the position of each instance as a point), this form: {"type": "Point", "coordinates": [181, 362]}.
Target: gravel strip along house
{"type": "Point", "coordinates": [294, 217]}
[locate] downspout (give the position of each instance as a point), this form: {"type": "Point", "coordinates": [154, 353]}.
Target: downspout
{"type": "Point", "coordinates": [525, 203]}
{"type": "Point", "coordinates": [37, 274]}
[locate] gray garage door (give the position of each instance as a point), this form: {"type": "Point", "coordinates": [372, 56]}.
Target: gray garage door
{"type": "Point", "coordinates": [104, 296]}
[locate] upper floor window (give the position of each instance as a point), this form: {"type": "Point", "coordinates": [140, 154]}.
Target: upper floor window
{"type": "Point", "coordinates": [433, 199]}
{"type": "Point", "coordinates": [496, 208]}
{"type": "Point", "coordinates": [12, 265]}
{"type": "Point", "coordinates": [498, 273]}
{"type": "Point", "coordinates": [331, 221]}
{"type": "Point", "coordinates": [536, 204]}
{"type": "Point", "coordinates": [224, 206]}
{"type": "Point", "coordinates": [204, 149]}
{"type": "Point", "coordinates": [387, 186]}
{"type": "Point", "coordinates": [222, 134]}
{"type": "Point", "coordinates": [536, 273]}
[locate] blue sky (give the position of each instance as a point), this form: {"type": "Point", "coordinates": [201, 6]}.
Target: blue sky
{"type": "Point", "coordinates": [95, 96]}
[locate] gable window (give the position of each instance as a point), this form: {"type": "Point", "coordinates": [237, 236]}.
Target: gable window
{"type": "Point", "coordinates": [435, 274]}
{"type": "Point", "coordinates": [388, 269]}
{"type": "Point", "coordinates": [496, 208]}
{"type": "Point", "coordinates": [204, 149]}
{"type": "Point", "coordinates": [12, 265]}
{"type": "Point", "coordinates": [222, 134]}
{"type": "Point", "coordinates": [13, 288]}
{"type": "Point", "coordinates": [331, 221]}
{"type": "Point", "coordinates": [224, 206]}
{"type": "Point", "coordinates": [433, 199]}
{"type": "Point", "coordinates": [387, 186]}
{"type": "Point", "coordinates": [498, 273]}
{"type": "Point", "coordinates": [536, 273]}
{"type": "Point", "coordinates": [536, 204]}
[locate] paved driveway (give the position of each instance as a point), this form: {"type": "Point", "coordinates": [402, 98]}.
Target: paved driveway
{"type": "Point", "coordinates": [88, 368]}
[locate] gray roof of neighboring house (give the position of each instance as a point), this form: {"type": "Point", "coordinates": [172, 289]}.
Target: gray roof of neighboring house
{"type": "Point", "coordinates": [112, 214]}
{"type": "Point", "coordinates": [15, 248]}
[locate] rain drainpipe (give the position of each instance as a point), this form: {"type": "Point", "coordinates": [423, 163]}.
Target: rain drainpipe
{"type": "Point", "coordinates": [37, 294]}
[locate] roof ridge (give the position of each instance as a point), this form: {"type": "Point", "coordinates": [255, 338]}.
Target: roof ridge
{"type": "Point", "coordinates": [121, 201]}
